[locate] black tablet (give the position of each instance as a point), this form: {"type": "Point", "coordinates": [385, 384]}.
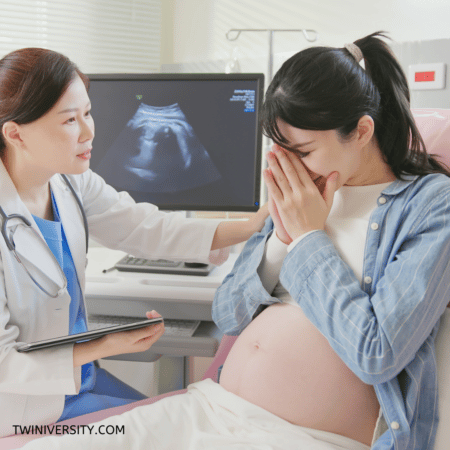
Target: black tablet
{"type": "Point", "coordinates": [87, 335]}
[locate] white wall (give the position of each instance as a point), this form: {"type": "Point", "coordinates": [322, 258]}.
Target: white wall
{"type": "Point", "coordinates": [200, 25]}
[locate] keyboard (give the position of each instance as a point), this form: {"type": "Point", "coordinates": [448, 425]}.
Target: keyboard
{"type": "Point", "coordinates": [173, 327]}
{"type": "Point", "coordinates": [131, 264]}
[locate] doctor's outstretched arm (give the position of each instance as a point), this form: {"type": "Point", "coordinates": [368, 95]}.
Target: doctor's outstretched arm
{"type": "Point", "coordinates": [141, 229]}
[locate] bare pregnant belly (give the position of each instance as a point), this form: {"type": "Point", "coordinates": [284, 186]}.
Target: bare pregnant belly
{"type": "Point", "coordinates": [282, 363]}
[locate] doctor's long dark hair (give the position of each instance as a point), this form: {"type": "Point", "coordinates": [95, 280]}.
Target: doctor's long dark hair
{"type": "Point", "coordinates": [31, 82]}
{"type": "Point", "coordinates": [323, 88]}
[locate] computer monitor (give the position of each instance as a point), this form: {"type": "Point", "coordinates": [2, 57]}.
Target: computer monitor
{"type": "Point", "coordinates": [180, 141]}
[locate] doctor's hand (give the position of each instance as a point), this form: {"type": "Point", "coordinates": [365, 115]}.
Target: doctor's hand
{"type": "Point", "coordinates": [257, 220]}
{"type": "Point", "coordinates": [130, 341]}
{"type": "Point", "coordinates": [133, 341]}
{"type": "Point", "coordinates": [234, 232]}
{"type": "Point", "coordinates": [302, 206]}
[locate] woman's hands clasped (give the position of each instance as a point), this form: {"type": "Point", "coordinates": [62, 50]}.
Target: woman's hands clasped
{"type": "Point", "coordinates": [297, 203]}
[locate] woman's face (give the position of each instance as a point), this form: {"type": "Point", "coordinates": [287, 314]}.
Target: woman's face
{"type": "Point", "coordinates": [61, 140]}
{"type": "Point", "coordinates": [323, 152]}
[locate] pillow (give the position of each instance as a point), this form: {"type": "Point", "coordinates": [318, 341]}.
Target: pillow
{"type": "Point", "coordinates": [434, 126]}
{"type": "Point", "coordinates": [443, 369]}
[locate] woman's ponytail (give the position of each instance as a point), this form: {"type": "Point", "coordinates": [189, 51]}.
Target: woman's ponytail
{"type": "Point", "coordinates": [395, 128]}
{"type": "Point", "coordinates": [323, 88]}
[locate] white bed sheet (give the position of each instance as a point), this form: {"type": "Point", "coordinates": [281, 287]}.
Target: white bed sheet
{"type": "Point", "coordinates": [206, 417]}
{"type": "Point", "coordinates": [209, 417]}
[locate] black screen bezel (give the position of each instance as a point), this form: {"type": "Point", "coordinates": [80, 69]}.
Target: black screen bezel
{"type": "Point", "coordinates": [258, 77]}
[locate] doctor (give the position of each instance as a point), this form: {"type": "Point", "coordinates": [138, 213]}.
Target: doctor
{"type": "Point", "coordinates": [47, 130]}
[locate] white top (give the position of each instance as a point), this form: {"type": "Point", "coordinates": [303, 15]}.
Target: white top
{"type": "Point", "coordinates": [346, 226]}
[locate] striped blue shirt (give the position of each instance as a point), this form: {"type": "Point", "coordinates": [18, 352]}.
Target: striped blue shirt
{"type": "Point", "coordinates": [383, 328]}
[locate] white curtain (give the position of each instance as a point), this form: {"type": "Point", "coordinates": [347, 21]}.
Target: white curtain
{"type": "Point", "coordinates": [100, 36]}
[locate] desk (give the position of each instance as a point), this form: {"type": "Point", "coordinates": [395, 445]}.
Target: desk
{"type": "Point", "coordinates": [173, 296]}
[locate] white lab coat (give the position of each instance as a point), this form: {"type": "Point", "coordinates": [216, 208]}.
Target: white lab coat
{"type": "Point", "coordinates": [33, 385]}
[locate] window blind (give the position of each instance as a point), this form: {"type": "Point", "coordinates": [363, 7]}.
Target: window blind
{"type": "Point", "coordinates": [100, 36]}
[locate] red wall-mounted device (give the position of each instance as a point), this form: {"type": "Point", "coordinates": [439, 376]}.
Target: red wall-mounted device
{"type": "Point", "coordinates": [427, 76]}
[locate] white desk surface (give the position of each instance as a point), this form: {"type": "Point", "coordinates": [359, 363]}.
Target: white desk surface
{"type": "Point", "coordinates": [147, 285]}
{"type": "Point", "coordinates": [174, 296]}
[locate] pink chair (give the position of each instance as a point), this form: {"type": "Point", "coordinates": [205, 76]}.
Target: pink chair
{"type": "Point", "coordinates": [434, 125]}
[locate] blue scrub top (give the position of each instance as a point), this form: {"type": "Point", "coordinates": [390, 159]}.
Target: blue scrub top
{"type": "Point", "coordinates": [99, 389]}
{"type": "Point", "coordinates": [55, 237]}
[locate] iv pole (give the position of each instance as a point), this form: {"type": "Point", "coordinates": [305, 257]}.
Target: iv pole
{"type": "Point", "coordinates": [306, 34]}
{"type": "Point", "coordinates": [271, 32]}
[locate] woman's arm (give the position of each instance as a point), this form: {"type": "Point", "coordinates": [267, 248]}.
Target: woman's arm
{"type": "Point", "coordinates": [378, 330]}
{"type": "Point", "coordinates": [242, 293]}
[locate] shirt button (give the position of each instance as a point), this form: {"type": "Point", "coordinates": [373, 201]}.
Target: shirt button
{"type": "Point", "coordinates": [367, 280]}
{"type": "Point", "coordinates": [382, 200]}
{"type": "Point", "coordinates": [395, 425]}
{"type": "Point", "coordinates": [374, 226]}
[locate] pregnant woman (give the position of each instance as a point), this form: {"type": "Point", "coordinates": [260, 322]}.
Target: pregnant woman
{"type": "Point", "coordinates": [337, 299]}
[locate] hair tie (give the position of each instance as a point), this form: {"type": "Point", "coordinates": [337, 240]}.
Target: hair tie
{"type": "Point", "coordinates": [355, 51]}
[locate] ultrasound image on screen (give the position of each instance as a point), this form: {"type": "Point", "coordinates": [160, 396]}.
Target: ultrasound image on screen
{"type": "Point", "coordinates": [158, 151]}
{"type": "Point", "coordinates": [185, 143]}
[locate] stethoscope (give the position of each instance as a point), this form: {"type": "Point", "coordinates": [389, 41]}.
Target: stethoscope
{"type": "Point", "coordinates": [11, 246]}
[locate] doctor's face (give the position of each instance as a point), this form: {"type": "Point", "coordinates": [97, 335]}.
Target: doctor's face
{"type": "Point", "coordinates": [61, 140]}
